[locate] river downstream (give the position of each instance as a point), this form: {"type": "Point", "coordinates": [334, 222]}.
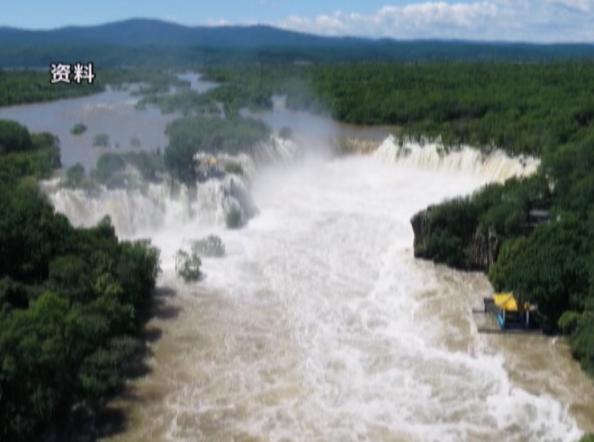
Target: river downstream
{"type": "Point", "coordinates": [319, 324]}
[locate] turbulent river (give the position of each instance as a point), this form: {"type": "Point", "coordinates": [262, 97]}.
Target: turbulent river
{"type": "Point", "coordinates": [319, 324]}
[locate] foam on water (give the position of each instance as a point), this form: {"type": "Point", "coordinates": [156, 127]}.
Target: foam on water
{"type": "Point", "coordinates": [319, 325]}
{"type": "Point", "coordinates": [332, 247]}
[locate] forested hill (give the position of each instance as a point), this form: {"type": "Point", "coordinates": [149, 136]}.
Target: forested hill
{"type": "Point", "coordinates": [143, 41]}
{"type": "Point", "coordinates": [142, 32]}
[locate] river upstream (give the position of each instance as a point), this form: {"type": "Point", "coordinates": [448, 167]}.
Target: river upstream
{"type": "Point", "coordinates": [319, 324]}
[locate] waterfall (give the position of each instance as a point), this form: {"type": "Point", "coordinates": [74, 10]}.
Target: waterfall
{"type": "Point", "coordinates": [145, 210]}
{"type": "Point", "coordinates": [494, 166]}
{"type": "Point", "coordinates": [278, 150]}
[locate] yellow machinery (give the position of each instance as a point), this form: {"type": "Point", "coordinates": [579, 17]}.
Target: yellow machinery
{"type": "Point", "coordinates": [506, 301]}
{"type": "Point", "coordinates": [510, 313]}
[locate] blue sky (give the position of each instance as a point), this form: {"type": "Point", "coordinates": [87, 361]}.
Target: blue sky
{"type": "Point", "coordinates": [51, 13]}
{"type": "Point", "coordinates": [513, 20]}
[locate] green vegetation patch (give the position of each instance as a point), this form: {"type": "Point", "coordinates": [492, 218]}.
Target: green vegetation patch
{"type": "Point", "coordinates": [190, 135]}
{"type": "Point", "coordinates": [32, 86]}
{"type": "Point", "coordinates": [26, 155]}
{"type": "Point", "coordinates": [126, 169]}
{"type": "Point", "coordinates": [78, 129]}
{"type": "Point", "coordinates": [72, 301]}
{"type": "Point", "coordinates": [187, 265]}
{"type": "Point", "coordinates": [522, 108]}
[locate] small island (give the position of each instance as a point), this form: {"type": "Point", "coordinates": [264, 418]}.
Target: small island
{"type": "Point", "coordinates": [78, 129]}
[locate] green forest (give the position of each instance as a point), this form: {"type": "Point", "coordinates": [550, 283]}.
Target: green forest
{"type": "Point", "coordinates": [72, 301]}
{"type": "Point", "coordinates": [33, 86]}
{"type": "Point", "coordinates": [522, 108]}
{"type": "Point", "coordinates": [18, 87]}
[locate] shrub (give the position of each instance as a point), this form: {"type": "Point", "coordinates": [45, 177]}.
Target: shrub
{"type": "Point", "coordinates": [582, 342]}
{"type": "Point", "coordinates": [110, 170]}
{"type": "Point", "coordinates": [190, 135]}
{"type": "Point", "coordinates": [78, 129]}
{"type": "Point", "coordinates": [76, 178]}
{"type": "Point", "coordinates": [568, 321]}
{"type": "Point", "coordinates": [187, 266]}
{"type": "Point", "coordinates": [14, 137]}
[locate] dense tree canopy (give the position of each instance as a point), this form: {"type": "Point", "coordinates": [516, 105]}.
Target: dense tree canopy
{"type": "Point", "coordinates": [23, 154]}
{"type": "Point", "coordinates": [523, 108]}
{"type": "Point", "coordinates": [14, 137]}
{"type": "Point", "coordinates": [549, 268]}
{"type": "Point", "coordinates": [71, 300]}
{"type": "Point", "coordinates": [32, 86]}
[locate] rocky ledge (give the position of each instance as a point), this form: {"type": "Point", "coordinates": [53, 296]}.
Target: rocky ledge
{"type": "Point", "coordinates": [473, 250]}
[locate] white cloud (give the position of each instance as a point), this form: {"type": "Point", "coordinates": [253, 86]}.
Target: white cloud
{"type": "Point", "coordinates": [413, 19]}
{"type": "Point", "coordinates": [576, 5]}
{"type": "Point", "coordinates": [424, 14]}
{"type": "Point", "coordinates": [512, 20]}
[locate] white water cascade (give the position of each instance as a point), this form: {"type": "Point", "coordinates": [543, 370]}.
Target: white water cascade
{"type": "Point", "coordinates": [495, 166]}
{"type": "Point", "coordinates": [144, 210]}
{"type": "Point", "coordinates": [319, 325]}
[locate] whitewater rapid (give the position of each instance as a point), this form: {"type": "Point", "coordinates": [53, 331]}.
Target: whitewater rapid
{"type": "Point", "coordinates": [319, 325]}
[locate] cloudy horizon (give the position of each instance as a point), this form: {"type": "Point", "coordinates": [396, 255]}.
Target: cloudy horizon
{"type": "Point", "coordinates": [544, 21]}
{"type": "Point", "coordinates": [501, 20]}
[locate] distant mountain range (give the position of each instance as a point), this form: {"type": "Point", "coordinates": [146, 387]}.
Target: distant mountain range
{"type": "Point", "coordinates": [138, 40]}
{"type": "Point", "coordinates": [145, 32]}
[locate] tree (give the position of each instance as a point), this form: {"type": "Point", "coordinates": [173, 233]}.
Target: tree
{"type": "Point", "coordinates": [14, 137]}
{"type": "Point", "coordinates": [548, 268]}
{"type": "Point", "coordinates": [187, 266]}
{"type": "Point", "coordinates": [188, 136]}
